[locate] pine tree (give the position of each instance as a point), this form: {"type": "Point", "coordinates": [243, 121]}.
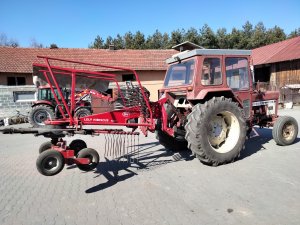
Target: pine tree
{"type": "Point", "coordinates": [245, 38]}
{"type": "Point", "coordinates": [192, 36]}
{"type": "Point", "coordinates": [177, 37]}
{"type": "Point", "coordinates": [155, 41]}
{"type": "Point", "coordinates": [246, 34]}
{"type": "Point", "coordinates": [118, 42]}
{"type": "Point", "coordinates": [128, 40]}
{"type": "Point", "coordinates": [138, 40]}
{"type": "Point", "coordinates": [98, 43]}
{"type": "Point", "coordinates": [259, 37]}
{"type": "Point", "coordinates": [166, 41]}
{"type": "Point", "coordinates": [234, 38]}
{"type": "Point", "coordinates": [274, 35]}
{"type": "Point", "coordinates": [108, 42]}
{"type": "Point", "coordinates": [294, 33]}
{"type": "Point", "coordinates": [207, 37]}
{"type": "Point", "coordinates": [222, 38]}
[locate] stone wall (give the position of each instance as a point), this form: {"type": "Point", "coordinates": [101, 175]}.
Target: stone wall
{"type": "Point", "coordinates": [9, 103]}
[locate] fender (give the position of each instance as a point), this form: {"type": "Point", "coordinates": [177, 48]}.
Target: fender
{"type": "Point", "coordinates": [41, 102]}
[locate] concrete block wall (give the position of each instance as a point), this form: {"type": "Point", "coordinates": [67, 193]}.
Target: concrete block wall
{"type": "Point", "coordinates": [8, 106]}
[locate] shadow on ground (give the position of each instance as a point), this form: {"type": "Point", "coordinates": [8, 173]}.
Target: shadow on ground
{"type": "Point", "coordinates": [148, 158]}
{"type": "Point", "coordinates": [117, 170]}
{"type": "Point", "coordinates": [256, 143]}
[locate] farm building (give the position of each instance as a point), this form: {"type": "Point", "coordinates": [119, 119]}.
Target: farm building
{"type": "Point", "coordinates": [278, 65]}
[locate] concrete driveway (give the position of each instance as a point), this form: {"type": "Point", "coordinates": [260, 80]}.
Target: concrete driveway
{"type": "Point", "coordinates": [262, 187]}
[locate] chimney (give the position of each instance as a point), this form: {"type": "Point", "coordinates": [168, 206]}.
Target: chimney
{"type": "Point", "coordinates": [111, 47]}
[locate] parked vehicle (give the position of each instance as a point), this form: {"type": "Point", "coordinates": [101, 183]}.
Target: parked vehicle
{"type": "Point", "coordinates": [209, 105]}
{"type": "Point", "coordinates": [46, 108]}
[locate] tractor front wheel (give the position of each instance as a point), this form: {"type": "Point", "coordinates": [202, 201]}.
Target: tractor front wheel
{"type": "Point", "coordinates": [216, 131]}
{"type": "Point", "coordinates": [285, 130]}
{"type": "Point", "coordinates": [170, 143]}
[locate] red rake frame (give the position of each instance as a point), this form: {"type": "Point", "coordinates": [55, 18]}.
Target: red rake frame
{"type": "Point", "coordinates": [118, 117]}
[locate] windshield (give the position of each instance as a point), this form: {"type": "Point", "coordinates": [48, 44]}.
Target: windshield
{"type": "Point", "coordinates": [180, 74]}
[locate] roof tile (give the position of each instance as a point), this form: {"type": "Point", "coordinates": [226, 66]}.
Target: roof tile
{"type": "Point", "coordinates": [20, 60]}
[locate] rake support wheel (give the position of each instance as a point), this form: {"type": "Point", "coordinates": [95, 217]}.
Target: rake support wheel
{"type": "Point", "coordinates": [50, 162]}
{"type": "Point", "coordinates": [90, 154]}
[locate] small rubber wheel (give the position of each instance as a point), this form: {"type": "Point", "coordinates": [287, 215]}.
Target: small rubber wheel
{"type": "Point", "coordinates": [45, 146]}
{"type": "Point", "coordinates": [50, 162]}
{"type": "Point", "coordinates": [92, 155]}
{"type": "Point", "coordinates": [77, 145]}
{"type": "Point", "coordinates": [285, 130]}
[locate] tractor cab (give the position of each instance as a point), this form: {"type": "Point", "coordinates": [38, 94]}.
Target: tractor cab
{"type": "Point", "coordinates": [44, 93]}
{"type": "Point", "coordinates": [197, 75]}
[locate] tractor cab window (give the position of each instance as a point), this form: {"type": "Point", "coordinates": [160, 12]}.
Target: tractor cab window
{"type": "Point", "coordinates": [180, 74]}
{"type": "Point", "coordinates": [237, 73]}
{"type": "Point", "coordinates": [46, 94]}
{"type": "Point", "coordinates": [211, 72]}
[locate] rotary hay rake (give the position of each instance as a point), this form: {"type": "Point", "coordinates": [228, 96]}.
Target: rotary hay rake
{"type": "Point", "coordinates": [126, 105]}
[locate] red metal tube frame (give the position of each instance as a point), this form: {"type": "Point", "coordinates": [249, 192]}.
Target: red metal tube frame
{"type": "Point", "coordinates": [73, 74]}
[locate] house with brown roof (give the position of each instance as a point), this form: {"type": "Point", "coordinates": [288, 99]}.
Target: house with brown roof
{"type": "Point", "coordinates": [278, 63]}
{"type": "Point", "coordinates": [16, 83]}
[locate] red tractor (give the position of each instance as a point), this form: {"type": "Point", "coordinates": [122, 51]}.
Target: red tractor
{"type": "Point", "coordinates": [208, 104]}
{"type": "Point", "coordinates": [45, 108]}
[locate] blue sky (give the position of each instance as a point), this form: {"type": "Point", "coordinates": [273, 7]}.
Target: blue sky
{"type": "Point", "coordinates": [75, 23]}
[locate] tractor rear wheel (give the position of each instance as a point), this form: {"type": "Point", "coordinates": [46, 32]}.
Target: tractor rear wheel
{"type": "Point", "coordinates": [170, 143]}
{"type": "Point", "coordinates": [216, 131]}
{"type": "Point", "coordinates": [39, 114]}
{"type": "Point", "coordinates": [285, 130]}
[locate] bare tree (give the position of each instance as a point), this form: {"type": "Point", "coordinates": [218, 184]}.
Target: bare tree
{"type": "Point", "coordinates": [35, 44]}
{"type": "Point", "coordinates": [5, 42]}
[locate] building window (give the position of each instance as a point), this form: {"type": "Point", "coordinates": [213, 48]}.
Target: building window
{"type": "Point", "coordinates": [128, 77]}
{"type": "Point", "coordinates": [15, 81]}
{"type": "Point", "coordinates": [24, 96]}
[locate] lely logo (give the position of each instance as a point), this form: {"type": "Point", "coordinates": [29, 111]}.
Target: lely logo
{"type": "Point", "coordinates": [126, 114]}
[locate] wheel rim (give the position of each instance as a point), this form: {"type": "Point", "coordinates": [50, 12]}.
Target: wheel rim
{"type": "Point", "coordinates": [91, 158]}
{"type": "Point", "coordinates": [224, 131]}
{"type": "Point", "coordinates": [50, 163]}
{"type": "Point", "coordinates": [40, 116]}
{"type": "Point", "coordinates": [288, 131]}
